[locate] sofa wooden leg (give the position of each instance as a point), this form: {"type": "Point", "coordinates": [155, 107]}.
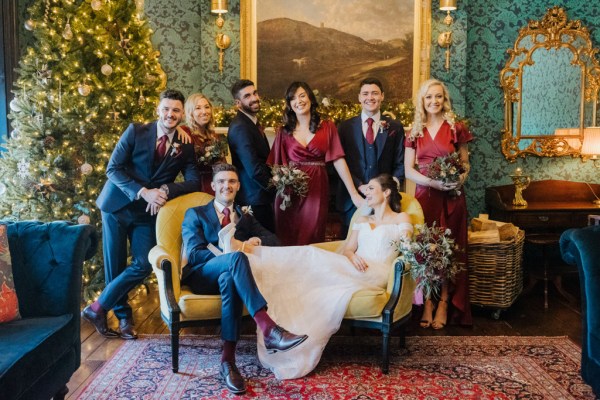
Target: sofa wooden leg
{"type": "Point", "coordinates": [386, 353]}
{"type": "Point", "coordinates": [62, 392]}
{"type": "Point", "coordinates": [175, 349]}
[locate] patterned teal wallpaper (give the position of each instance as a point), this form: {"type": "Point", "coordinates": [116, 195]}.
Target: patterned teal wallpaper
{"type": "Point", "coordinates": [483, 30]}
{"type": "Point", "coordinates": [184, 32]}
{"type": "Point", "coordinates": [492, 28]}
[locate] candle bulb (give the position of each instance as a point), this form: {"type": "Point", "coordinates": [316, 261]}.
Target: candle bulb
{"type": "Point", "coordinates": [518, 171]}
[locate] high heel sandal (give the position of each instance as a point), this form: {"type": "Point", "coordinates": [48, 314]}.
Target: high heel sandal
{"type": "Point", "coordinates": [437, 323]}
{"type": "Point", "coordinates": [426, 323]}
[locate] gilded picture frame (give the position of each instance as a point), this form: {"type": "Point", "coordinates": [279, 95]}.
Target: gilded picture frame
{"type": "Point", "coordinates": [421, 45]}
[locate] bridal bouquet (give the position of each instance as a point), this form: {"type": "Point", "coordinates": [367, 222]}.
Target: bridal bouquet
{"type": "Point", "coordinates": [216, 151]}
{"type": "Point", "coordinates": [447, 169]}
{"type": "Point", "coordinates": [288, 180]}
{"type": "Point", "coordinates": [431, 254]}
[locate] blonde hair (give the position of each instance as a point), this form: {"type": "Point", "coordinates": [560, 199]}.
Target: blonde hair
{"type": "Point", "coordinates": [204, 133]}
{"type": "Point", "coordinates": [421, 114]}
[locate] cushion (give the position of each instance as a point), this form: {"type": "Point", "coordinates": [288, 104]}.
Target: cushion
{"type": "Point", "coordinates": [9, 304]}
{"type": "Point", "coordinates": [30, 347]}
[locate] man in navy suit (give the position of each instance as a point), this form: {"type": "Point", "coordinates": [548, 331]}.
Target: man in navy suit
{"type": "Point", "coordinates": [249, 152]}
{"type": "Point", "coordinates": [373, 144]}
{"type": "Point", "coordinates": [141, 174]}
{"type": "Point", "coordinates": [229, 274]}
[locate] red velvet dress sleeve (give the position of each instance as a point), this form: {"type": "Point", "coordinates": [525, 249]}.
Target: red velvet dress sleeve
{"type": "Point", "coordinates": [278, 155]}
{"type": "Point", "coordinates": [461, 134]}
{"type": "Point", "coordinates": [334, 146]}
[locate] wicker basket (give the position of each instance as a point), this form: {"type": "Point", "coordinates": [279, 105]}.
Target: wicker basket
{"type": "Point", "coordinates": [495, 273]}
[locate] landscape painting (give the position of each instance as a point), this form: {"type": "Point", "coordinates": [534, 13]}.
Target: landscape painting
{"type": "Point", "coordinates": [334, 44]}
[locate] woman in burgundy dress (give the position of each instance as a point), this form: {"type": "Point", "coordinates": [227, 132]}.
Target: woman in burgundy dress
{"type": "Point", "coordinates": [210, 148]}
{"type": "Point", "coordinates": [308, 143]}
{"type": "Point", "coordinates": [434, 134]}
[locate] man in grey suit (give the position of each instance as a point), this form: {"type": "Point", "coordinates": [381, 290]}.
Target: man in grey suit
{"type": "Point", "coordinates": [373, 144]}
{"type": "Point", "coordinates": [141, 174]}
{"type": "Point", "coordinates": [249, 151]}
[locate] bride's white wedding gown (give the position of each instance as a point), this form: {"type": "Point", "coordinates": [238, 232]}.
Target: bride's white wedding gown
{"type": "Point", "coordinates": [308, 290]}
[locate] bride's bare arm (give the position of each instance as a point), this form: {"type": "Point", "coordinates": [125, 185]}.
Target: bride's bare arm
{"type": "Point", "coordinates": [349, 251]}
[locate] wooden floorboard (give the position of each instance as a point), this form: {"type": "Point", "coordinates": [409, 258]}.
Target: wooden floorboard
{"type": "Point", "coordinates": [526, 317]}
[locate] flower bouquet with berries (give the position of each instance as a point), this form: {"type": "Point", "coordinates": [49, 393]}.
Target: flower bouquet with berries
{"type": "Point", "coordinates": [288, 181]}
{"type": "Point", "coordinates": [215, 151]}
{"type": "Point", "coordinates": [447, 169]}
{"type": "Point", "coordinates": [431, 254]}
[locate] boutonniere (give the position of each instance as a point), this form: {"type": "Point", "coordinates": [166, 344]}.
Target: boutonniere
{"type": "Point", "coordinates": [175, 149]}
{"type": "Point", "coordinates": [247, 210]}
{"type": "Point", "coordinates": [384, 127]}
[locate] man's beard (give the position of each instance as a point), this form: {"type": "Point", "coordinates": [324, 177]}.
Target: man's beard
{"type": "Point", "coordinates": [248, 109]}
{"type": "Point", "coordinates": [165, 128]}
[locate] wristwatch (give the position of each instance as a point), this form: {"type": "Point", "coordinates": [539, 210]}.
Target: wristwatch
{"type": "Point", "coordinates": [165, 188]}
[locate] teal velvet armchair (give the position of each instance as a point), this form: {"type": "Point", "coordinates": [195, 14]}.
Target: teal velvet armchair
{"type": "Point", "coordinates": [581, 247]}
{"type": "Point", "coordinates": [40, 352]}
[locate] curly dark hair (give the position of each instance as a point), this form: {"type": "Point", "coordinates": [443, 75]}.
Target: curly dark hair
{"type": "Point", "coordinates": [289, 116]}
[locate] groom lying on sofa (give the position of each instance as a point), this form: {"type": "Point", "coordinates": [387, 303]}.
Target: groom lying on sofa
{"type": "Point", "coordinates": [229, 274]}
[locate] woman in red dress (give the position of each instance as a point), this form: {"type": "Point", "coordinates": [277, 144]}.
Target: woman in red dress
{"type": "Point", "coordinates": [210, 148]}
{"type": "Point", "coordinates": [435, 134]}
{"type": "Point", "coordinates": [308, 143]}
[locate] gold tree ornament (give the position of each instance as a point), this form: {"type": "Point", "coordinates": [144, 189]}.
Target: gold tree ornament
{"type": "Point", "coordinates": [96, 5]}
{"type": "Point", "coordinates": [29, 25]}
{"type": "Point", "coordinates": [106, 69]}
{"type": "Point", "coordinates": [67, 32]}
{"type": "Point", "coordinates": [86, 169]}
{"type": "Point", "coordinates": [84, 89]}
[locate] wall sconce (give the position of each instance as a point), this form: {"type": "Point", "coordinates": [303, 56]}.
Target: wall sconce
{"type": "Point", "coordinates": [222, 41]}
{"type": "Point", "coordinates": [591, 144]}
{"type": "Point", "coordinates": [445, 38]}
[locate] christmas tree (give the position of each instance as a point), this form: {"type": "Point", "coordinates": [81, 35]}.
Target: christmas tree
{"type": "Point", "coordinates": [90, 71]}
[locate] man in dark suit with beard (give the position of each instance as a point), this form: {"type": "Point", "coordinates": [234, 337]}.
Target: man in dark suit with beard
{"type": "Point", "coordinates": [249, 151]}
{"type": "Point", "coordinates": [141, 178]}
{"type": "Point", "coordinates": [229, 274]}
{"type": "Point", "coordinates": [373, 144]}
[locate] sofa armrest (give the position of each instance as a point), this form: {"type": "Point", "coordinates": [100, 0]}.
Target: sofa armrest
{"type": "Point", "coordinates": [158, 255]}
{"type": "Point", "coordinates": [167, 276]}
{"type": "Point", "coordinates": [400, 288]}
{"type": "Point", "coordinates": [47, 260]}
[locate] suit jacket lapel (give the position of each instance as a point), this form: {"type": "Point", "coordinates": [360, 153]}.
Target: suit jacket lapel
{"type": "Point", "coordinates": [150, 145]}
{"type": "Point", "coordinates": [359, 137]}
{"type": "Point", "coordinates": [213, 220]}
{"type": "Point", "coordinates": [381, 138]}
{"type": "Point", "coordinates": [168, 157]}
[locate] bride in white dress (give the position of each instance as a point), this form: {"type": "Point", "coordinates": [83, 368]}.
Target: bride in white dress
{"type": "Point", "coordinates": [308, 289]}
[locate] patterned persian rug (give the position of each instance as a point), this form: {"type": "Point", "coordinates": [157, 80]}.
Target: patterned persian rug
{"type": "Point", "coordinates": [441, 367]}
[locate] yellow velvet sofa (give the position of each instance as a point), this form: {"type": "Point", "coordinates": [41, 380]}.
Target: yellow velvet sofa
{"type": "Point", "coordinates": [384, 309]}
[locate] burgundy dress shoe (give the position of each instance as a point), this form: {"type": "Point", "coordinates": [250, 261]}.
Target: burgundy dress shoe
{"type": "Point", "coordinates": [232, 377]}
{"type": "Point", "coordinates": [281, 340]}
{"type": "Point", "coordinates": [99, 322]}
{"type": "Point", "coordinates": [126, 328]}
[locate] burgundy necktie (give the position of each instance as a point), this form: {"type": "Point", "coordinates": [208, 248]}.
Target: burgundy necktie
{"type": "Point", "coordinates": [226, 220]}
{"type": "Point", "coordinates": [161, 149]}
{"type": "Point", "coordinates": [370, 135]}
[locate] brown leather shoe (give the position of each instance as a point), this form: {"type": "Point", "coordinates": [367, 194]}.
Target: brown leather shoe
{"type": "Point", "coordinates": [126, 328]}
{"type": "Point", "coordinates": [233, 379]}
{"type": "Point", "coordinates": [99, 322]}
{"type": "Point", "coordinates": [281, 340]}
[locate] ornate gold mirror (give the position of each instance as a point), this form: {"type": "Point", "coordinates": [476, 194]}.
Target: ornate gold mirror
{"type": "Point", "coordinates": [550, 88]}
